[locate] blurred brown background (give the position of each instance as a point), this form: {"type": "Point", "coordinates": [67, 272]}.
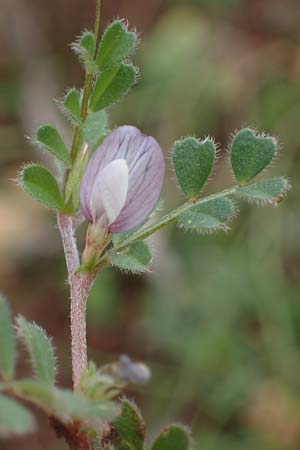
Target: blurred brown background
{"type": "Point", "coordinates": [218, 318]}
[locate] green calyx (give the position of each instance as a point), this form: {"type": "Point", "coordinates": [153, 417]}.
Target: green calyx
{"type": "Point", "coordinates": [97, 239]}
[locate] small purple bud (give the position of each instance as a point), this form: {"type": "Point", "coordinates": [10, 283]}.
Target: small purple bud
{"type": "Point", "coordinates": [134, 372]}
{"type": "Point", "coordinates": [123, 180]}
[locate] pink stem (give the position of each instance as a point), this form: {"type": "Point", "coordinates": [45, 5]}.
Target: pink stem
{"type": "Point", "coordinates": [80, 285]}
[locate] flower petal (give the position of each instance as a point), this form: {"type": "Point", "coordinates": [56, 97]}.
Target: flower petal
{"type": "Point", "coordinates": [109, 191]}
{"type": "Point", "coordinates": [146, 165]}
{"type": "Point", "coordinates": [146, 175]}
{"type": "Point", "coordinates": [110, 149]}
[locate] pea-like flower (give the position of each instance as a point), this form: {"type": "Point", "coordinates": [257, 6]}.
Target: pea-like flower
{"type": "Point", "coordinates": [122, 182]}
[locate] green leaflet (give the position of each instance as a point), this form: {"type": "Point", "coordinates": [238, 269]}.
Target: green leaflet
{"type": "Point", "coordinates": [266, 191]}
{"type": "Point", "coordinates": [85, 47]}
{"type": "Point", "coordinates": [193, 161]}
{"type": "Point", "coordinates": [111, 85]}
{"type": "Point", "coordinates": [172, 437]}
{"type": "Point", "coordinates": [14, 418]}
{"type": "Point", "coordinates": [95, 127]}
{"type": "Point", "coordinates": [250, 154]}
{"type": "Point", "coordinates": [71, 105]}
{"type": "Point", "coordinates": [49, 139]}
{"type": "Point", "coordinates": [88, 43]}
{"type": "Point", "coordinates": [134, 258]}
{"type": "Point", "coordinates": [129, 428]}
{"type": "Point", "coordinates": [38, 182]}
{"type": "Point", "coordinates": [40, 349]}
{"type": "Point", "coordinates": [210, 216]}
{"type": "Point", "coordinates": [116, 45]}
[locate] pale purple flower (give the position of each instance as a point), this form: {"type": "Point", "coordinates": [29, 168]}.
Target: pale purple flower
{"type": "Point", "coordinates": [123, 180]}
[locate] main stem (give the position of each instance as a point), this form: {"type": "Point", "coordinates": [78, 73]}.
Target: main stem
{"type": "Point", "coordinates": [80, 285]}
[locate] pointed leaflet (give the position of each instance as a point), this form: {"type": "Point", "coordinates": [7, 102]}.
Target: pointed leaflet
{"type": "Point", "coordinates": [210, 216]}
{"type": "Point", "coordinates": [14, 418]}
{"type": "Point", "coordinates": [49, 138]}
{"type": "Point", "coordinates": [193, 161]}
{"type": "Point", "coordinates": [111, 85]}
{"type": "Point", "coordinates": [116, 45]}
{"type": "Point", "coordinates": [134, 258]}
{"type": "Point", "coordinates": [266, 191]}
{"type": "Point", "coordinates": [38, 182]}
{"type": "Point", "coordinates": [40, 349]}
{"type": "Point", "coordinates": [173, 437]}
{"type": "Point", "coordinates": [250, 154]}
{"type": "Point", "coordinates": [7, 342]}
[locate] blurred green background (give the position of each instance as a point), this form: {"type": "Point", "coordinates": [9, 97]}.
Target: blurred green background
{"type": "Point", "coordinates": [218, 317]}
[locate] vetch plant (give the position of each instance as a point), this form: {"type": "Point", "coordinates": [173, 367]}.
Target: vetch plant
{"type": "Point", "coordinates": [112, 180]}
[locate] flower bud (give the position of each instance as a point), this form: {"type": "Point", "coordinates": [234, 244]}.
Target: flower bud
{"type": "Point", "coordinates": [133, 372]}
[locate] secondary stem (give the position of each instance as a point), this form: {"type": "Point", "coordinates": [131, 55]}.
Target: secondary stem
{"type": "Point", "coordinates": [88, 85]}
{"type": "Point", "coordinates": [168, 218]}
{"type": "Point", "coordinates": [80, 285]}
{"type": "Point", "coordinates": [84, 110]}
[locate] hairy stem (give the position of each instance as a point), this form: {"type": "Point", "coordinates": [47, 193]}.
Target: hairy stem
{"type": "Point", "coordinates": [80, 285]}
{"type": "Point", "coordinates": [80, 282]}
{"type": "Point", "coordinates": [97, 20]}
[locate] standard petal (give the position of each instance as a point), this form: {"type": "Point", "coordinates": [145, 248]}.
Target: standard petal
{"type": "Point", "coordinates": [146, 167]}
{"type": "Point", "coordinates": [109, 191]}
{"type": "Point", "coordinates": [146, 175]}
{"type": "Point", "coordinates": [113, 147]}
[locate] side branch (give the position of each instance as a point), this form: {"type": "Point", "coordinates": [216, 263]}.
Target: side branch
{"type": "Point", "coordinates": [144, 233]}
